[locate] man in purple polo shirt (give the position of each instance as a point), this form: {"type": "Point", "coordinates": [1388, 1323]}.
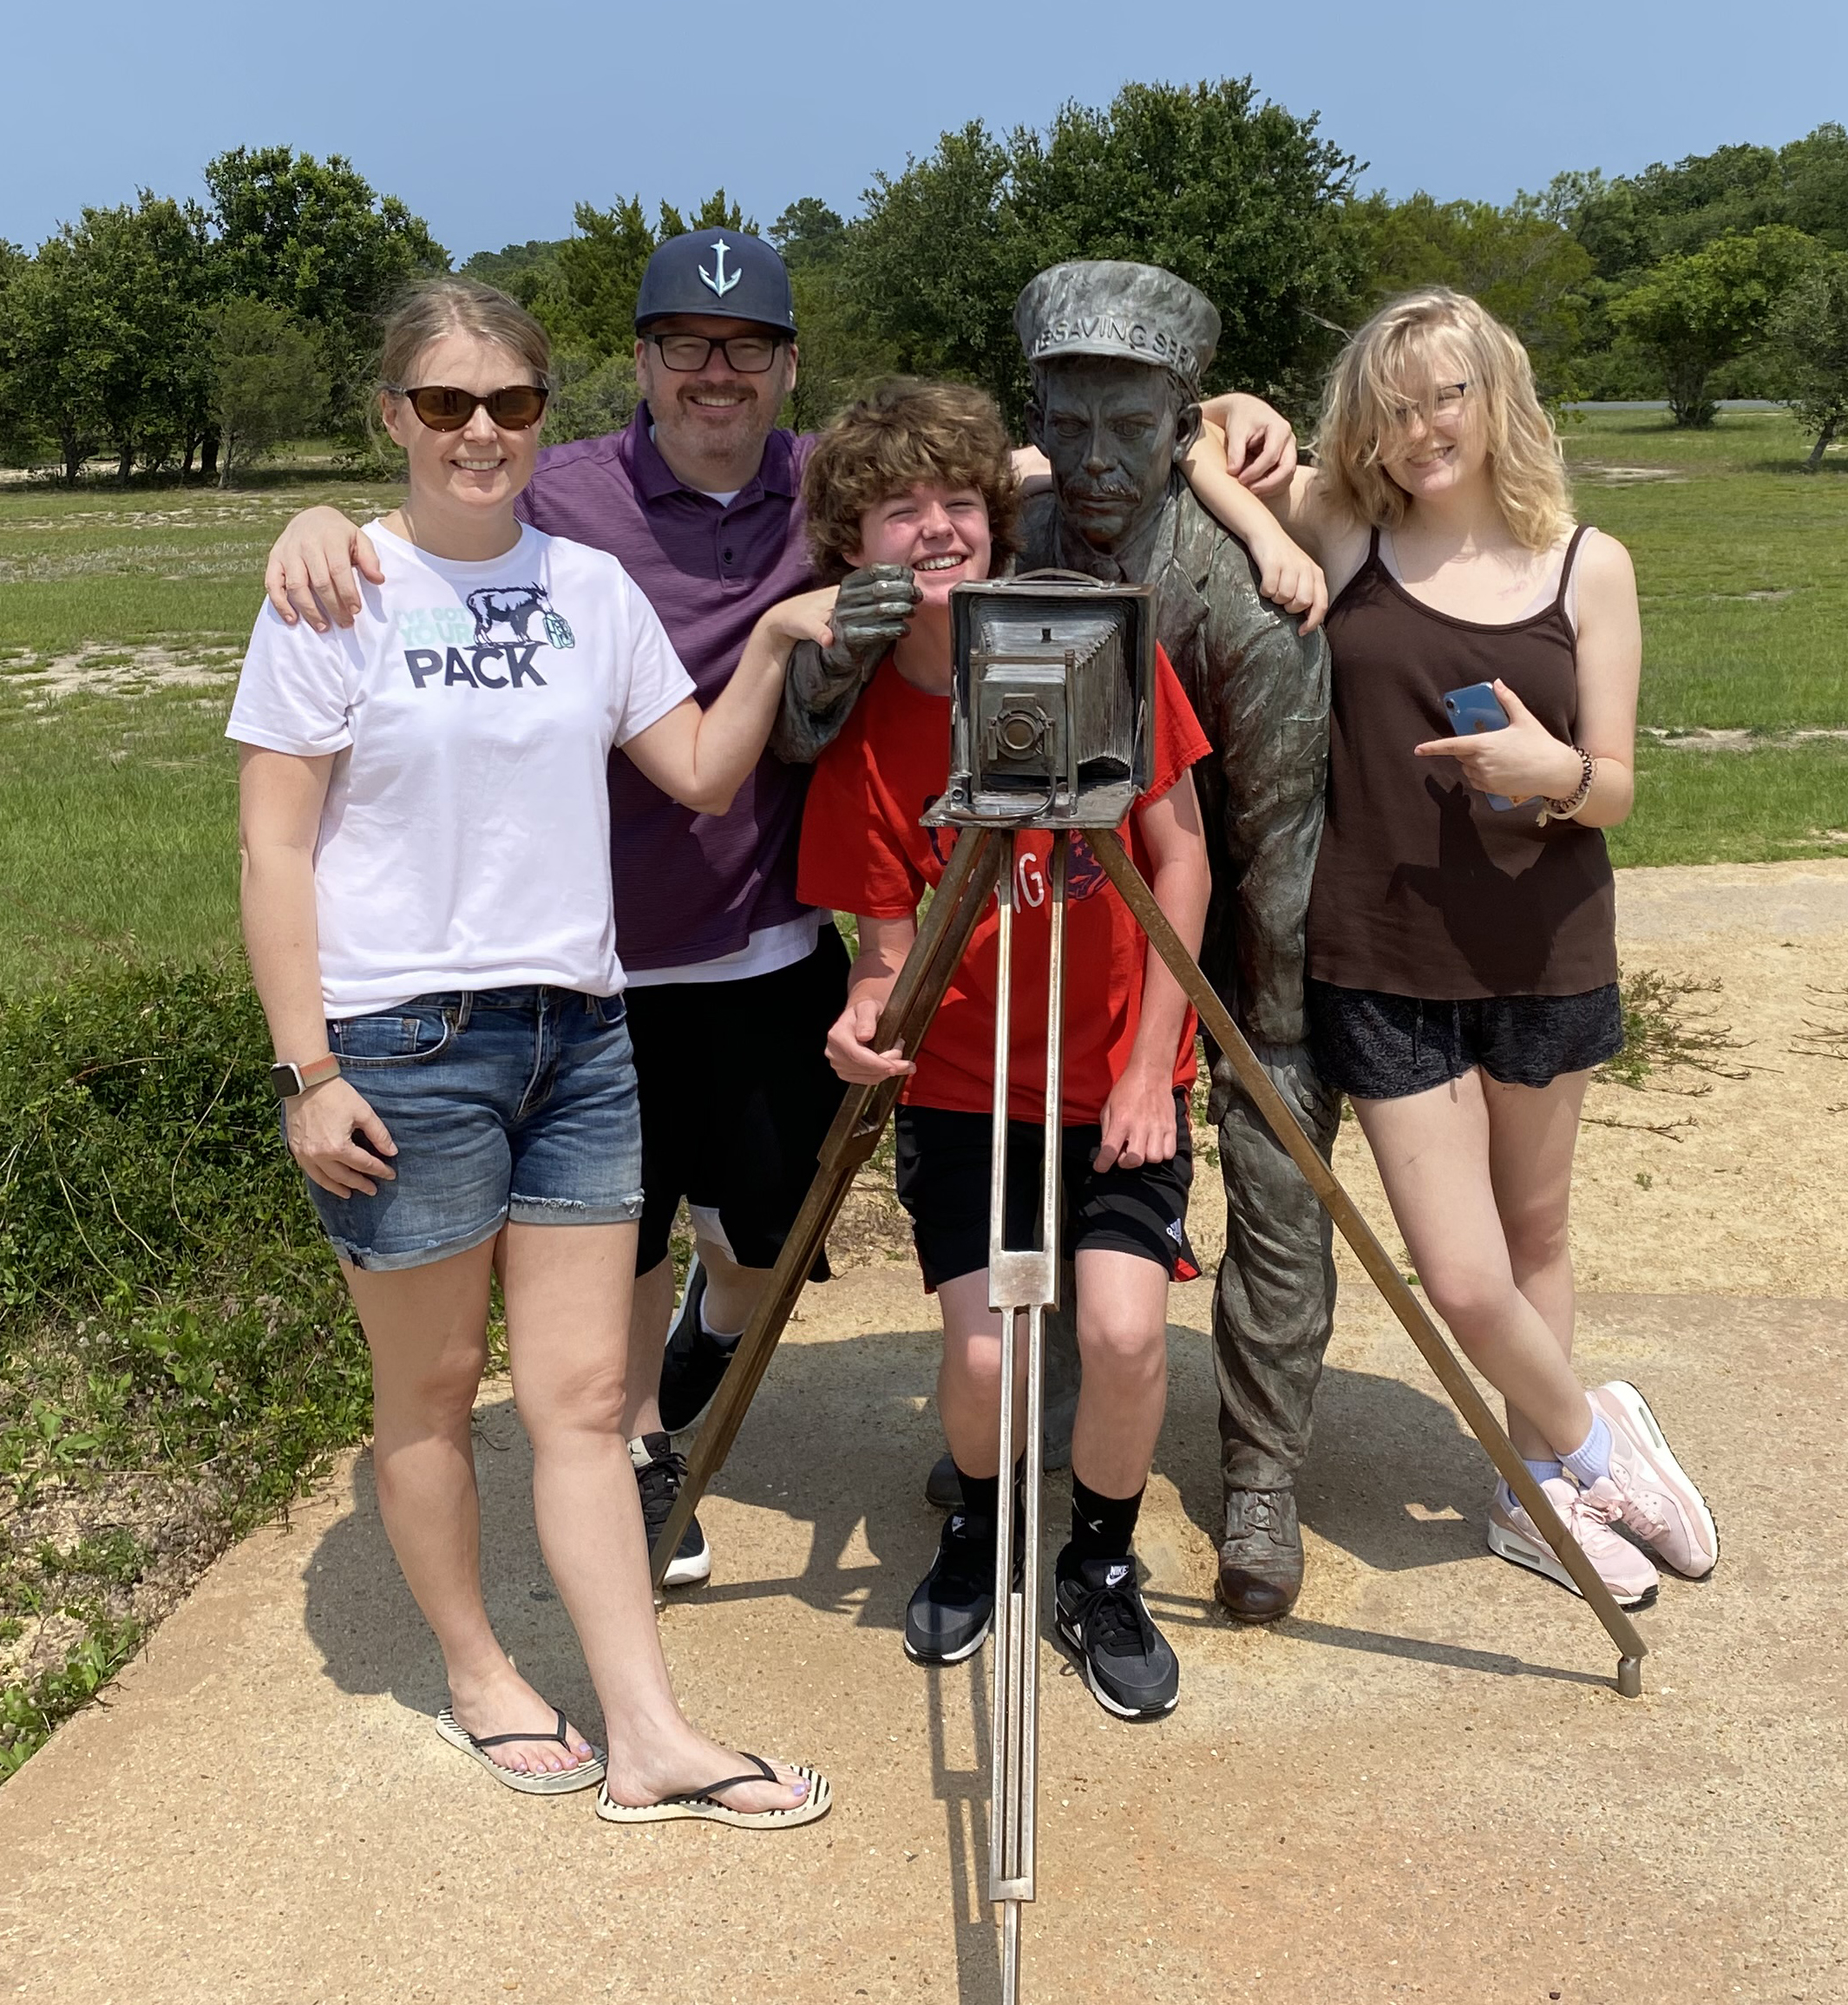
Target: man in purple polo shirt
{"type": "Point", "coordinates": [733, 982]}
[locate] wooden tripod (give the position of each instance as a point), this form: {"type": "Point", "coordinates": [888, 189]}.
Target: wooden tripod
{"type": "Point", "coordinates": [971, 877]}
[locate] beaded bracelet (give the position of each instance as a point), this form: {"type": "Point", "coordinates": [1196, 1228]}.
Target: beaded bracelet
{"type": "Point", "coordinates": [1563, 810]}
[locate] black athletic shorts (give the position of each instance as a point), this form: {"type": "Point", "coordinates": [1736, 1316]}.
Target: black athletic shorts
{"type": "Point", "coordinates": [736, 1096]}
{"type": "Point", "coordinates": [944, 1160]}
{"type": "Point", "coordinates": [1384, 1047]}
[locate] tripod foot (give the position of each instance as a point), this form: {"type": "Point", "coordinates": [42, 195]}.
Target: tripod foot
{"type": "Point", "coordinates": [1629, 1677]}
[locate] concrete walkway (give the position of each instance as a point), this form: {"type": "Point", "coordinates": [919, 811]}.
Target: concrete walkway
{"type": "Point", "coordinates": [1422, 1785]}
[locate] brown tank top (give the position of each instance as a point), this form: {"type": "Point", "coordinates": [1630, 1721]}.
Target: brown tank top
{"type": "Point", "coordinates": [1422, 888]}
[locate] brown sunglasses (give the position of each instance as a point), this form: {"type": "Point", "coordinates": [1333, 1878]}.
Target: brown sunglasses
{"type": "Point", "coordinates": [516, 409]}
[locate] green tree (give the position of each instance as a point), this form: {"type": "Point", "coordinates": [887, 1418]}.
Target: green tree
{"type": "Point", "coordinates": [58, 345]}
{"type": "Point", "coordinates": [841, 357]}
{"type": "Point", "coordinates": [18, 434]}
{"type": "Point", "coordinates": [600, 273]}
{"type": "Point", "coordinates": [809, 232]}
{"type": "Point", "coordinates": [314, 239]}
{"type": "Point", "coordinates": [1524, 266]}
{"type": "Point", "coordinates": [1809, 334]}
{"type": "Point", "coordinates": [1691, 314]}
{"type": "Point", "coordinates": [1631, 223]}
{"type": "Point", "coordinates": [267, 381]}
{"type": "Point", "coordinates": [1241, 198]}
{"type": "Point", "coordinates": [101, 334]}
{"type": "Point", "coordinates": [936, 262]}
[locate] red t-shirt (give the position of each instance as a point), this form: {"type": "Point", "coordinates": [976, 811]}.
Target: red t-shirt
{"type": "Point", "coordinates": [864, 852]}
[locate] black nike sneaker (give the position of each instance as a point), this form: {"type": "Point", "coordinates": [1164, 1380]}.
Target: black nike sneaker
{"type": "Point", "coordinates": [1106, 1630]}
{"type": "Point", "coordinates": [658, 1474]}
{"type": "Point", "coordinates": [694, 1361]}
{"type": "Point", "coordinates": [953, 1610]}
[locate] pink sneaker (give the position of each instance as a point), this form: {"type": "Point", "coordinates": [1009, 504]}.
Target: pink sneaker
{"type": "Point", "coordinates": [1513, 1535]}
{"type": "Point", "coordinates": [1648, 1489]}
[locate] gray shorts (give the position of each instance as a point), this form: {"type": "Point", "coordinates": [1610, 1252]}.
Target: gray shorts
{"type": "Point", "coordinates": [1376, 1046]}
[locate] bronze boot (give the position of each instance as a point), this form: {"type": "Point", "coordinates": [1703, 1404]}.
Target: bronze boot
{"type": "Point", "coordinates": [1261, 1562]}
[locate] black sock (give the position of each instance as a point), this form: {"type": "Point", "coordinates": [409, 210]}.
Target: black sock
{"type": "Point", "coordinates": [982, 1496]}
{"type": "Point", "coordinates": [1102, 1527]}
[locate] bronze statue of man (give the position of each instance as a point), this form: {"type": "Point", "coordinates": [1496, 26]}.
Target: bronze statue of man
{"type": "Point", "coordinates": [1117, 352]}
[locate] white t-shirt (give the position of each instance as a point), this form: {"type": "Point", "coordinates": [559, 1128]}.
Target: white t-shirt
{"type": "Point", "coordinates": [465, 841]}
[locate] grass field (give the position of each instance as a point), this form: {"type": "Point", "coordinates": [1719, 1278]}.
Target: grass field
{"type": "Point", "coordinates": [117, 801]}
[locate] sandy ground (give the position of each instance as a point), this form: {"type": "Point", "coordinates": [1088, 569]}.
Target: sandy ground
{"type": "Point", "coordinates": [1420, 1784]}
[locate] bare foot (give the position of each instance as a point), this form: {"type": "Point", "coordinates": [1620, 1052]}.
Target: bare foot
{"type": "Point", "coordinates": [507, 1704]}
{"type": "Point", "coordinates": [688, 1765]}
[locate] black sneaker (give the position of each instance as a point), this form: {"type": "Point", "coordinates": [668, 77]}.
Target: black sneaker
{"type": "Point", "coordinates": [658, 1474]}
{"type": "Point", "coordinates": [694, 1362]}
{"type": "Point", "coordinates": [1103, 1623]}
{"type": "Point", "coordinates": [953, 1608]}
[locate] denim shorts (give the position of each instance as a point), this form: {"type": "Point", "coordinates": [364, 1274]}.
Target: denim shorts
{"type": "Point", "coordinates": [1384, 1047]}
{"type": "Point", "coordinates": [514, 1103]}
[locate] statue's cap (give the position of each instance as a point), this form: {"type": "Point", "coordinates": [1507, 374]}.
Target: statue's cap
{"type": "Point", "coordinates": [725, 272]}
{"type": "Point", "coordinates": [1104, 306]}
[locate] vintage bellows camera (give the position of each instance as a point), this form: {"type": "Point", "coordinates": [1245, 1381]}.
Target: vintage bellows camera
{"type": "Point", "coordinates": [1053, 702]}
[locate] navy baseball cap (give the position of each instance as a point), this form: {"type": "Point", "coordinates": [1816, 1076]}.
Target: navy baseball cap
{"type": "Point", "coordinates": [716, 272]}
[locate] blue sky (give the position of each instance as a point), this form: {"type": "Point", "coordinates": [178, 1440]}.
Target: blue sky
{"type": "Point", "coordinates": [490, 121]}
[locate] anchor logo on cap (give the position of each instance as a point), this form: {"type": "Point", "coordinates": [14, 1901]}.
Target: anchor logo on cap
{"type": "Point", "coordinates": [718, 279]}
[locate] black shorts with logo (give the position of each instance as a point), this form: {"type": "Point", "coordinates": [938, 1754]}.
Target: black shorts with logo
{"type": "Point", "coordinates": [737, 1096]}
{"type": "Point", "coordinates": [944, 1161]}
{"type": "Point", "coordinates": [1385, 1047]}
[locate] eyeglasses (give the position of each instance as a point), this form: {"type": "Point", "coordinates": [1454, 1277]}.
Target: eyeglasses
{"type": "Point", "coordinates": [445, 408]}
{"type": "Point", "coordinates": [1447, 400]}
{"type": "Point", "coordinates": [750, 354]}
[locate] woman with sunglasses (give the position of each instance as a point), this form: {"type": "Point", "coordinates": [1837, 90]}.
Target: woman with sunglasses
{"type": "Point", "coordinates": [427, 911]}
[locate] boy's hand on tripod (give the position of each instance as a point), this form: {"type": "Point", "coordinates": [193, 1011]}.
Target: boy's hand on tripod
{"type": "Point", "coordinates": [1139, 1121]}
{"type": "Point", "coordinates": [850, 1046]}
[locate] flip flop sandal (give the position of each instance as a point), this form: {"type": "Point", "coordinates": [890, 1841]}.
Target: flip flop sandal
{"type": "Point", "coordinates": [704, 1805]}
{"type": "Point", "coordinates": [546, 1782]}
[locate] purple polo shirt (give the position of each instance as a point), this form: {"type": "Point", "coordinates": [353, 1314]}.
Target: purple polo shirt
{"type": "Point", "coordinates": [690, 888]}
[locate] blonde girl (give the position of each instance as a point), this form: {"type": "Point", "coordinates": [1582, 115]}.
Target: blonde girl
{"type": "Point", "coordinates": [1462, 954]}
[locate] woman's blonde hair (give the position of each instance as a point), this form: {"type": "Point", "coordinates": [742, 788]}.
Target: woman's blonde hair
{"type": "Point", "coordinates": [1390, 371]}
{"type": "Point", "coordinates": [429, 308]}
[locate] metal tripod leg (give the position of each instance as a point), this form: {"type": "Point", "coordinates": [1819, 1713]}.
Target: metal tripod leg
{"type": "Point", "coordinates": [1217, 1020]}
{"type": "Point", "coordinates": [960, 897]}
{"type": "Point", "coordinates": [1021, 1283]}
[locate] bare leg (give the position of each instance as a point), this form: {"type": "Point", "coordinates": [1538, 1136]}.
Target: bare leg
{"type": "Point", "coordinates": [1122, 1341]}
{"type": "Point", "coordinates": [652, 1311]}
{"type": "Point", "coordinates": [732, 1292]}
{"type": "Point", "coordinates": [1532, 1137]}
{"type": "Point", "coordinates": [568, 1290]}
{"type": "Point", "coordinates": [969, 1378]}
{"type": "Point", "coordinates": [426, 1327]}
{"type": "Point", "coordinates": [1434, 1150]}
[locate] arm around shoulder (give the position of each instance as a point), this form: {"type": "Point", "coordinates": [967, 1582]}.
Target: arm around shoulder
{"type": "Point", "coordinates": [311, 571]}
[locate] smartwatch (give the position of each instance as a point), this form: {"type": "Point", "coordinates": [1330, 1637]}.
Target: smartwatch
{"type": "Point", "coordinates": [289, 1079]}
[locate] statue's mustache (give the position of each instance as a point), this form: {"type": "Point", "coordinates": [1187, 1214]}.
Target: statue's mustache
{"type": "Point", "coordinates": [1077, 486]}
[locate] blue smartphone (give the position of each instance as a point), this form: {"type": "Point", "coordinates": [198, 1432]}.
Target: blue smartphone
{"type": "Point", "coordinates": [1478, 709]}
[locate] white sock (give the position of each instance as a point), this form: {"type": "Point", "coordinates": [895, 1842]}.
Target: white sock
{"type": "Point", "coordinates": [718, 1336]}
{"type": "Point", "coordinates": [1541, 1473]}
{"type": "Point", "coordinates": [1591, 1459]}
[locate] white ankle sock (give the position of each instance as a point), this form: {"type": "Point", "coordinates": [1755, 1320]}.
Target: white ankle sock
{"type": "Point", "coordinates": [718, 1336]}
{"type": "Point", "coordinates": [1541, 1473]}
{"type": "Point", "coordinates": [1591, 1459]}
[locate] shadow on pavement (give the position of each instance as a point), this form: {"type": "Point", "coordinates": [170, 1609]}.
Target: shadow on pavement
{"type": "Point", "coordinates": [839, 1439]}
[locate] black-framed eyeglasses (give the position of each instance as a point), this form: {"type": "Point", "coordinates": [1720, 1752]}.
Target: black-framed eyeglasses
{"type": "Point", "coordinates": [750, 354]}
{"type": "Point", "coordinates": [517, 408]}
